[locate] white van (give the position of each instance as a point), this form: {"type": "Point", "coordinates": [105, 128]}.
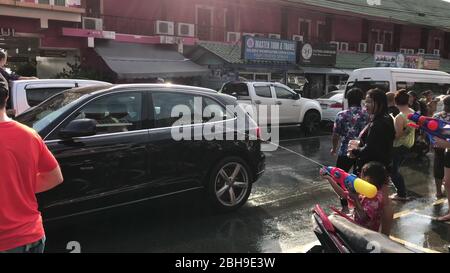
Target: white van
{"type": "Point", "coordinates": [393, 79]}
{"type": "Point", "coordinates": [28, 93]}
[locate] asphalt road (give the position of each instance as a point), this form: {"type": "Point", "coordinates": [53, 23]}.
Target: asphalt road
{"type": "Point", "coordinates": [276, 219]}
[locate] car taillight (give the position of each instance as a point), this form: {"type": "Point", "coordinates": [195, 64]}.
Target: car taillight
{"type": "Point", "coordinates": [337, 105]}
{"type": "Point", "coordinates": [258, 133]}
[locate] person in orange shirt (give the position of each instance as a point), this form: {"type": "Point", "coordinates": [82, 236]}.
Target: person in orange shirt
{"type": "Point", "coordinates": [27, 168]}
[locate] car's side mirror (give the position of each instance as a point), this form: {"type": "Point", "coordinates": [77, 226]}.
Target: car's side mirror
{"type": "Point", "coordinates": [79, 128]}
{"type": "Point", "coordinates": [296, 96]}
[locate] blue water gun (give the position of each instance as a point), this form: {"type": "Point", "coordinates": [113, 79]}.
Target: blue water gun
{"type": "Point", "coordinates": [432, 127]}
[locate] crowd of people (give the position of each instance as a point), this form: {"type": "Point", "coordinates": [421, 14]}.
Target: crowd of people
{"type": "Point", "coordinates": [373, 141]}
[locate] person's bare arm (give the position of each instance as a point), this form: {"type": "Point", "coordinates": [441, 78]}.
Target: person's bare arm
{"type": "Point", "coordinates": [49, 180]}
{"type": "Point", "coordinates": [335, 142]}
{"type": "Point", "coordinates": [399, 126]}
{"type": "Point", "coordinates": [339, 191]}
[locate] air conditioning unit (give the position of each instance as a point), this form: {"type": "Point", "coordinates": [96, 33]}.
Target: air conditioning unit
{"type": "Point", "coordinates": [421, 51]}
{"type": "Point", "coordinates": [298, 38]}
{"type": "Point", "coordinates": [437, 52]}
{"type": "Point", "coordinates": [403, 50]}
{"type": "Point", "coordinates": [335, 43]}
{"type": "Point", "coordinates": [164, 28]}
{"type": "Point", "coordinates": [410, 51]}
{"type": "Point", "coordinates": [362, 47]}
{"type": "Point", "coordinates": [260, 35]}
{"type": "Point", "coordinates": [343, 46]}
{"type": "Point", "coordinates": [274, 36]}
{"type": "Point", "coordinates": [378, 47]}
{"type": "Point", "coordinates": [233, 37]}
{"type": "Point", "coordinates": [186, 30]}
{"type": "Point", "coordinates": [248, 34]}
{"type": "Point", "coordinates": [92, 23]}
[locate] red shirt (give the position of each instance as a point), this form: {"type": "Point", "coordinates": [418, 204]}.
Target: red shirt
{"type": "Point", "coordinates": [23, 155]}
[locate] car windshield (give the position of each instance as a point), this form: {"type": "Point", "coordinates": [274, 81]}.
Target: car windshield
{"type": "Point", "coordinates": [333, 95]}
{"type": "Point", "coordinates": [46, 112]}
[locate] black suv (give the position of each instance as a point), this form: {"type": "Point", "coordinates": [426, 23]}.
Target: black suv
{"type": "Point", "coordinates": [121, 144]}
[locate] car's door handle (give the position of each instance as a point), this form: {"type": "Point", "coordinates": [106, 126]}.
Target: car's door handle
{"type": "Point", "coordinates": [257, 102]}
{"type": "Point", "coordinates": [279, 103]}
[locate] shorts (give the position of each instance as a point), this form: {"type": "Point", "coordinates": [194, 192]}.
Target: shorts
{"type": "Point", "coordinates": [438, 168]}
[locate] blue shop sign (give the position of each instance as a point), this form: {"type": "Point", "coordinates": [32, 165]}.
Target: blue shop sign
{"type": "Point", "coordinates": [263, 49]}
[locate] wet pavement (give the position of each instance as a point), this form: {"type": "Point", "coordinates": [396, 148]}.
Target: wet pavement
{"type": "Point", "coordinates": [276, 219]}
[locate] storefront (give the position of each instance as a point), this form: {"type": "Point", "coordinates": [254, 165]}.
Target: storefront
{"type": "Point", "coordinates": [31, 34]}
{"type": "Point", "coordinates": [228, 62]}
{"type": "Point", "coordinates": [318, 61]}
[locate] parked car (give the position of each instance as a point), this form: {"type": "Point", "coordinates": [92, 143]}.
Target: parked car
{"type": "Point", "coordinates": [331, 104]}
{"type": "Point", "coordinates": [29, 93]}
{"type": "Point", "coordinates": [293, 110]}
{"type": "Point", "coordinates": [115, 146]}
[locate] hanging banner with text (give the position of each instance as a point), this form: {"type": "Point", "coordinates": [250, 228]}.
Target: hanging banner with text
{"type": "Point", "coordinates": [263, 49]}
{"type": "Point", "coordinates": [419, 61]}
{"type": "Point", "coordinates": [317, 54]}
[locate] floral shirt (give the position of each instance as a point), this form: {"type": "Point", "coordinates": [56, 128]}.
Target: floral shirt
{"type": "Point", "coordinates": [349, 123]}
{"type": "Point", "coordinates": [442, 115]}
{"type": "Point", "coordinates": [373, 207]}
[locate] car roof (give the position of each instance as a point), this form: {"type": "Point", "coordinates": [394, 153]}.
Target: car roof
{"type": "Point", "coordinates": [108, 88]}
{"type": "Point", "coordinates": [405, 70]}
{"type": "Point", "coordinates": [58, 81]}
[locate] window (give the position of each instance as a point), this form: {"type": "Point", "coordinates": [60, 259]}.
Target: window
{"type": "Point", "coordinates": [237, 90]}
{"type": "Point", "coordinates": [322, 31]}
{"type": "Point", "coordinates": [305, 28]}
{"type": "Point", "coordinates": [52, 2]}
{"type": "Point", "coordinates": [263, 91]}
{"type": "Point", "coordinates": [38, 95]}
{"type": "Point", "coordinates": [367, 85]}
{"type": "Point", "coordinates": [114, 113]}
{"type": "Point", "coordinates": [213, 111]}
{"type": "Point", "coordinates": [60, 2]}
{"type": "Point", "coordinates": [283, 93]}
{"type": "Point", "coordinates": [437, 43]}
{"type": "Point", "coordinates": [184, 109]}
{"type": "Point", "coordinates": [375, 36]}
{"type": "Point", "coordinates": [420, 87]}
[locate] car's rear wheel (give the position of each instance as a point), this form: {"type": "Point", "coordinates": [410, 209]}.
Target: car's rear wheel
{"type": "Point", "coordinates": [311, 122]}
{"type": "Point", "coordinates": [230, 184]}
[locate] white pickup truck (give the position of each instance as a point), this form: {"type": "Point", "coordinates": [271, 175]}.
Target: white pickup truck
{"type": "Point", "coordinates": [28, 93]}
{"type": "Point", "coordinates": [293, 110]}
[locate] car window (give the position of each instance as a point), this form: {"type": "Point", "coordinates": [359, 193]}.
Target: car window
{"type": "Point", "coordinates": [283, 93]}
{"type": "Point", "coordinates": [337, 97]}
{"type": "Point", "coordinates": [214, 111]}
{"type": "Point", "coordinates": [237, 90]}
{"type": "Point", "coordinates": [333, 94]}
{"type": "Point", "coordinates": [263, 91]}
{"type": "Point", "coordinates": [38, 95]}
{"type": "Point", "coordinates": [174, 109]}
{"type": "Point", "coordinates": [114, 113]}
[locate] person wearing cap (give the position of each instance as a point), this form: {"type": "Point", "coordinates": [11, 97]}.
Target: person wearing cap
{"type": "Point", "coordinates": [439, 154]}
{"type": "Point", "coordinates": [27, 168]}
